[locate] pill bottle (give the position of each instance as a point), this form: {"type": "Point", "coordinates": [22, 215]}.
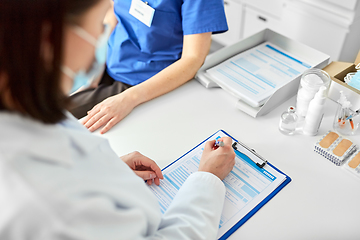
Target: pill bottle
{"type": "Point", "coordinates": [310, 83]}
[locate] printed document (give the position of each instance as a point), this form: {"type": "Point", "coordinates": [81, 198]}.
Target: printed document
{"type": "Point", "coordinates": [254, 75]}
{"type": "Point", "coordinates": [246, 185]}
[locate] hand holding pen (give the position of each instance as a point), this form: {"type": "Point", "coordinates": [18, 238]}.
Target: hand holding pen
{"type": "Point", "coordinates": [218, 157]}
{"type": "Point", "coordinates": [218, 144]}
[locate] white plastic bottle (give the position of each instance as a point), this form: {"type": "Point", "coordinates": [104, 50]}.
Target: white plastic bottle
{"type": "Point", "coordinates": [309, 86]}
{"type": "Point", "coordinates": [310, 83]}
{"type": "Point", "coordinates": [315, 113]}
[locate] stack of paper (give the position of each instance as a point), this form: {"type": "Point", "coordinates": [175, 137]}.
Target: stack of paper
{"type": "Point", "coordinates": [254, 75]}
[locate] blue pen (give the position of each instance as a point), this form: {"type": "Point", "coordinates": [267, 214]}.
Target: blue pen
{"type": "Point", "coordinates": [219, 144]}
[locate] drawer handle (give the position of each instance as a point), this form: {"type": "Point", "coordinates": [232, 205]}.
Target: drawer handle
{"type": "Point", "coordinates": [262, 18]}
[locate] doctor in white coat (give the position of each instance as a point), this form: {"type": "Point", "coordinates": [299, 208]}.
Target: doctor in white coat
{"type": "Point", "coordinates": [57, 180]}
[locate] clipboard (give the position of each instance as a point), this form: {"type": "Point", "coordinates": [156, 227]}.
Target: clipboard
{"type": "Point", "coordinates": [258, 162]}
{"type": "Point", "coordinates": [262, 203]}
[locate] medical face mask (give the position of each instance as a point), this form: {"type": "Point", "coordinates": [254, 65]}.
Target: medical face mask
{"type": "Point", "coordinates": [354, 80]}
{"type": "Point", "coordinates": [84, 78]}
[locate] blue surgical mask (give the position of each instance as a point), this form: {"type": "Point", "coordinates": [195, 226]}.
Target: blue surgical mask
{"type": "Point", "coordinates": [355, 81]}
{"type": "Point", "coordinates": [84, 78]}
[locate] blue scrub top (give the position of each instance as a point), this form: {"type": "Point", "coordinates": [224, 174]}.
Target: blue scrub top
{"type": "Point", "coordinates": [137, 52]}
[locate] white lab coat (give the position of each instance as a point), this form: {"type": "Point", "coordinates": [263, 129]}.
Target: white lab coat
{"type": "Point", "coordinates": [61, 182]}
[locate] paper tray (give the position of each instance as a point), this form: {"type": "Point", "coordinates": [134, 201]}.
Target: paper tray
{"type": "Point", "coordinates": [315, 58]}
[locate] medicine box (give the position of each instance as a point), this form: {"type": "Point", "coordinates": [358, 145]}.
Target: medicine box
{"type": "Point", "coordinates": [313, 57]}
{"type": "Point", "coordinates": [337, 72]}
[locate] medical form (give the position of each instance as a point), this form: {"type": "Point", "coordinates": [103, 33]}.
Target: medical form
{"type": "Point", "coordinates": [254, 75]}
{"type": "Point", "coordinates": [247, 185]}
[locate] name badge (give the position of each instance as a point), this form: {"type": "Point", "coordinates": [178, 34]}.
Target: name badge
{"type": "Point", "coordinates": [142, 11]}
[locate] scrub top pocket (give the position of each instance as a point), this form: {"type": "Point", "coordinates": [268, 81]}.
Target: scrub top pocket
{"type": "Point", "coordinates": [159, 36]}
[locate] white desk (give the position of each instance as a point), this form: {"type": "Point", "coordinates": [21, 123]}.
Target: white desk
{"type": "Point", "coordinates": [321, 202]}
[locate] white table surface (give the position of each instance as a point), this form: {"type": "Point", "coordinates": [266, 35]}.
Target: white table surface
{"type": "Point", "coordinates": [321, 202]}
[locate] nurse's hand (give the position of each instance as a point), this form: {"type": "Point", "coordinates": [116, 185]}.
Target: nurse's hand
{"type": "Point", "coordinates": [218, 161]}
{"type": "Point", "coordinates": [109, 112]}
{"type": "Point", "coordinates": [144, 167]}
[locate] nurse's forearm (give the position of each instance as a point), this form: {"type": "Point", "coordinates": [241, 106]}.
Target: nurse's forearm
{"type": "Point", "coordinates": [165, 81]}
{"type": "Point", "coordinates": [195, 50]}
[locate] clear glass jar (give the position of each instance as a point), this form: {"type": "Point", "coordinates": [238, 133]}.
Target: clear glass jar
{"type": "Point", "coordinates": [343, 125]}
{"type": "Point", "coordinates": [310, 83]}
{"type": "Point", "coordinates": [288, 120]}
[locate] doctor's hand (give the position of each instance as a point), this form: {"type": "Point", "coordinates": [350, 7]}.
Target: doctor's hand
{"type": "Point", "coordinates": [109, 112]}
{"type": "Point", "coordinates": [218, 161]}
{"type": "Point", "coordinates": [144, 167]}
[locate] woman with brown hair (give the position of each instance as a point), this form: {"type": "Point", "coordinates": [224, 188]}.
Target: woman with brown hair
{"type": "Point", "coordinates": [57, 180]}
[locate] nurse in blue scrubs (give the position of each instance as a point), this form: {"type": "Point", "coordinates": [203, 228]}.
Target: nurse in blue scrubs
{"type": "Point", "coordinates": [155, 47]}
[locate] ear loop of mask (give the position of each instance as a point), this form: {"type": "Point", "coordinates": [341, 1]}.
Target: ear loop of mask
{"type": "Point", "coordinates": [98, 65]}
{"type": "Point", "coordinates": [85, 35]}
{"type": "Point", "coordinates": [68, 72]}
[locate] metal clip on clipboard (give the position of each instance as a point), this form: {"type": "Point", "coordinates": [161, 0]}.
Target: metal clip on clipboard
{"type": "Point", "coordinates": [250, 153]}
